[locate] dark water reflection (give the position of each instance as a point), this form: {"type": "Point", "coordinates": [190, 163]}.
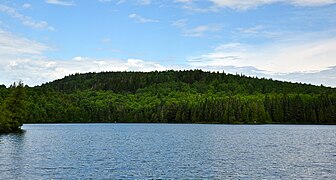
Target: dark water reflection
{"type": "Point", "coordinates": [168, 151]}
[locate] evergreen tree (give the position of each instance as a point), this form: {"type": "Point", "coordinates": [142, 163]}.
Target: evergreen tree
{"type": "Point", "coordinates": [16, 106]}
{"type": "Point", "coordinates": [4, 120]}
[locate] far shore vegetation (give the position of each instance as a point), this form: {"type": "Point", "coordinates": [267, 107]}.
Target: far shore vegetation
{"type": "Point", "coordinates": [190, 96]}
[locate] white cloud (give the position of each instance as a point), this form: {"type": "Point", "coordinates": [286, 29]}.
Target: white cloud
{"type": "Point", "coordinates": [139, 19]}
{"type": "Point", "coordinates": [197, 31]}
{"type": "Point", "coordinates": [242, 4]}
{"type": "Point", "coordinates": [326, 77]}
{"type": "Point", "coordinates": [251, 30]}
{"type": "Point", "coordinates": [194, 7]}
{"type": "Point", "coordinates": [248, 4]}
{"type": "Point", "coordinates": [299, 54]}
{"type": "Point", "coordinates": [25, 20]}
{"type": "Point", "coordinates": [310, 56]}
{"type": "Point", "coordinates": [34, 72]}
{"type": "Point", "coordinates": [144, 2]}
{"type": "Point", "coordinates": [79, 58]}
{"type": "Point", "coordinates": [291, 60]}
{"type": "Point", "coordinates": [27, 6]}
{"type": "Point", "coordinates": [135, 2]}
{"type": "Point", "coordinates": [184, 1]}
{"type": "Point", "coordinates": [200, 31]}
{"type": "Point", "coordinates": [15, 53]}
{"type": "Point", "coordinates": [22, 59]}
{"type": "Point", "coordinates": [60, 2]}
{"type": "Point", "coordinates": [310, 2]}
{"type": "Point", "coordinates": [12, 46]}
{"type": "Point", "coordinates": [180, 23]}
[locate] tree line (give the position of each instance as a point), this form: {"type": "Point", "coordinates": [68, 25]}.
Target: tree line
{"type": "Point", "coordinates": [192, 96]}
{"type": "Point", "coordinates": [182, 107]}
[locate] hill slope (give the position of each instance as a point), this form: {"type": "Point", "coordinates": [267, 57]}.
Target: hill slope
{"type": "Point", "coordinates": [120, 82]}
{"type": "Point", "coordinates": [179, 97]}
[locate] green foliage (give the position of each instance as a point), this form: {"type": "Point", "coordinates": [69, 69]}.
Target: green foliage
{"type": "Point", "coordinates": [4, 119]}
{"type": "Point", "coordinates": [197, 80]}
{"type": "Point", "coordinates": [12, 109]}
{"type": "Point", "coordinates": [178, 97]}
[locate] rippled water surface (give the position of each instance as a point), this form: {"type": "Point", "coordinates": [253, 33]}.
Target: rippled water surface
{"type": "Point", "coordinates": [169, 151]}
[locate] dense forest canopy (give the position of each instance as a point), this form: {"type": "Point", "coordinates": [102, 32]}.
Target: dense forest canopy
{"type": "Point", "coordinates": [190, 96]}
{"type": "Point", "coordinates": [12, 107]}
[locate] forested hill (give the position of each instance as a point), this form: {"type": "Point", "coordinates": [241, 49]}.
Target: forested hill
{"type": "Point", "coordinates": [197, 80]}
{"type": "Point", "coordinates": [191, 96]}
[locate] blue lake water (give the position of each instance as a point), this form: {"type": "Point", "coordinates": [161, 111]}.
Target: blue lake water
{"type": "Point", "coordinates": [169, 151]}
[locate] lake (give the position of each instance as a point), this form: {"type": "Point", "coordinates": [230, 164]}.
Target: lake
{"type": "Point", "coordinates": [169, 151]}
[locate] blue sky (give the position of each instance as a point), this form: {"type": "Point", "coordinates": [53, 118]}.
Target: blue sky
{"type": "Point", "coordinates": [292, 40]}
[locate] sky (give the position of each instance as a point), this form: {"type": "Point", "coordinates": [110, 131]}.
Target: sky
{"type": "Point", "coordinates": [290, 40]}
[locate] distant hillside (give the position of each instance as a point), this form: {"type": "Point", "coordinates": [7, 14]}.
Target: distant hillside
{"type": "Point", "coordinates": [178, 97]}
{"type": "Point", "coordinates": [199, 81]}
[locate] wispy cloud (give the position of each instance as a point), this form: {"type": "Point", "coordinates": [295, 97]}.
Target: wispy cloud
{"type": "Point", "coordinates": [193, 6]}
{"type": "Point", "coordinates": [139, 19]}
{"type": "Point", "coordinates": [104, 1]}
{"type": "Point", "coordinates": [326, 77]}
{"type": "Point", "coordinates": [135, 2]}
{"type": "Point", "coordinates": [184, 1]}
{"type": "Point", "coordinates": [248, 4]}
{"type": "Point", "coordinates": [12, 46]}
{"type": "Point", "coordinates": [106, 40]}
{"type": "Point", "coordinates": [34, 72]}
{"type": "Point", "coordinates": [22, 58]}
{"type": "Point", "coordinates": [61, 2]}
{"type": "Point", "coordinates": [144, 2]}
{"type": "Point", "coordinates": [15, 49]}
{"type": "Point", "coordinates": [302, 53]}
{"type": "Point", "coordinates": [243, 4]}
{"type": "Point", "coordinates": [25, 20]}
{"type": "Point", "coordinates": [200, 31]}
{"type": "Point", "coordinates": [252, 30]}
{"type": "Point", "coordinates": [197, 31]}
{"type": "Point", "coordinates": [181, 23]}
{"type": "Point", "coordinates": [27, 6]}
{"type": "Point", "coordinates": [259, 32]}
